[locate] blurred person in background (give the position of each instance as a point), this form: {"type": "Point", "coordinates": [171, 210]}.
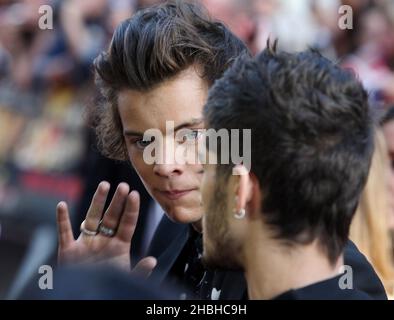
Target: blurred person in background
{"type": "Point", "coordinates": [88, 24]}
{"type": "Point", "coordinates": [238, 16]}
{"type": "Point", "coordinates": [367, 47]}
{"type": "Point", "coordinates": [370, 228]}
{"type": "Point", "coordinates": [21, 42]}
{"type": "Point", "coordinates": [290, 21]}
{"type": "Point", "coordinates": [375, 47]}
{"type": "Point", "coordinates": [46, 62]}
{"type": "Point", "coordinates": [346, 41]}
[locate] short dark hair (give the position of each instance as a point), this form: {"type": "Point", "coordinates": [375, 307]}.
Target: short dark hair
{"type": "Point", "coordinates": [156, 44]}
{"type": "Point", "coordinates": [312, 140]}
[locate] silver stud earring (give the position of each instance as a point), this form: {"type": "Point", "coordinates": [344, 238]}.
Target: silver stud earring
{"type": "Point", "coordinates": [240, 214]}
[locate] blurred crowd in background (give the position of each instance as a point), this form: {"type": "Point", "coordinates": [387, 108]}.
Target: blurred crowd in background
{"type": "Point", "coordinates": [48, 153]}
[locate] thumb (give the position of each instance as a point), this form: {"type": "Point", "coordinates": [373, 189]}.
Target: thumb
{"type": "Point", "coordinates": [145, 267]}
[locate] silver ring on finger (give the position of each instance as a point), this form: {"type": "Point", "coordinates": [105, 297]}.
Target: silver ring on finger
{"type": "Point", "coordinates": [105, 231]}
{"type": "Point", "coordinates": [87, 232]}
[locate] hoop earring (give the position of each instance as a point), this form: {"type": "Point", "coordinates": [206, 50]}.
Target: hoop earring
{"type": "Point", "coordinates": [240, 215]}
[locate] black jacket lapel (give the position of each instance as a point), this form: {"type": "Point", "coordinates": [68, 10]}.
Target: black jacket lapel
{"type": "Point", "coordinates": [166, 246]}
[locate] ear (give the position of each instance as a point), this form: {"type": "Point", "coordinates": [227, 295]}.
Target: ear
{"type": "Point", "coordinates": [253, 206]}
{"type": "Point", "coordinates": [244, 187]}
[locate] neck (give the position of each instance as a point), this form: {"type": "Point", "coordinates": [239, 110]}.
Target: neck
{"type": "Point", "coordinates": [274, 269]}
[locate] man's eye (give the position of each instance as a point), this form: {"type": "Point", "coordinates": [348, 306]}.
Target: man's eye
{"type": "Point", "coordinates": [191, 136]}
{"type": "Point", "coordinates": [142, 144]}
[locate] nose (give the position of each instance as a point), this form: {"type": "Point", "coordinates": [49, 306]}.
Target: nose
{"type": "Point", "coordinates": [167, 166]}
{"type": "Point", "coordinates": [167, 170]}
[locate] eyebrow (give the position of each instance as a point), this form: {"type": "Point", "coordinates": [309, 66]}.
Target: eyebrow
{"type": "Point", "coordinates": [192, 122]}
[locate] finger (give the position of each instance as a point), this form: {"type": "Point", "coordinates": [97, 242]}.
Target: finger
{"type": "Point", "coordinates": [114, 212]}
{"type": "Point", "coordinates": [129, 218]}
{"type": "Point", "coordinates": [65, 232]}
{"type": "Point", "coordinates": [145, 266]}
{"type": "Point", "coordinates": [96, 208]}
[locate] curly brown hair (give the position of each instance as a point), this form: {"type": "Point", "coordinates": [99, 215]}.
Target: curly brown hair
{"type": "Point", "coordinates": [156, 44]}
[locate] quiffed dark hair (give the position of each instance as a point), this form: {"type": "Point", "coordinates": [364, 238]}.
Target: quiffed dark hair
{"type": "Point", "coordinates": [312, 140]}
{"type": "Point", "coordinates": [156, 44]}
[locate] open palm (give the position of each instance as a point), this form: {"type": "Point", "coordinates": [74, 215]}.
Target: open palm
{"type": "Point", "coordinates": [121, 216]}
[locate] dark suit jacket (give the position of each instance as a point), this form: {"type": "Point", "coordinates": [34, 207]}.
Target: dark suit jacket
{"type": "Point", "coordinates": [324, 290]}
{"type": "Point", "coordinates": [170, 238]}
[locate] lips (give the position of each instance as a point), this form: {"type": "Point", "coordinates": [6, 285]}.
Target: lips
{"type": "Point", "coordinates": [176, 194]}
